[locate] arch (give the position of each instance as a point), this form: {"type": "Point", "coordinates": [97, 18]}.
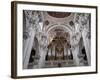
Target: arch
{"type": "Point", "coordinates": [62, 27]}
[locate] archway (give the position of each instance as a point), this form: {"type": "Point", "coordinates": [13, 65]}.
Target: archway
{"type": "Point", "coordinates": [59, 52]}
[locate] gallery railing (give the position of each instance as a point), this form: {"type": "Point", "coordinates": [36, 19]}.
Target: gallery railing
{"type": "Point", "coordinates": [61, 63]}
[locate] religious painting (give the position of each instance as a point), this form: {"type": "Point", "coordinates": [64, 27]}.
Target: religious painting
{"type": "Point", "coordinates": [53, 39]}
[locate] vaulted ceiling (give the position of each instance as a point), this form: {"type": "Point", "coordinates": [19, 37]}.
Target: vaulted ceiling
{"type": "Point", "coordinates": [58, 34]}
{"type": "Point", "coordinates": [57, 18]}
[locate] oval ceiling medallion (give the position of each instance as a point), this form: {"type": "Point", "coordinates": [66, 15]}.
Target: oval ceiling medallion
{"type": "Point", "coordinates": [59, 14]}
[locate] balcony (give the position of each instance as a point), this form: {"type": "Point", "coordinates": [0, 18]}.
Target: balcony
{"type": "Point", "coordinates": [62, 63]}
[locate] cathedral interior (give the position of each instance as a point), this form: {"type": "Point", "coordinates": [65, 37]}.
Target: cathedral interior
{"type": "Point", "coordinates": [56, 39]}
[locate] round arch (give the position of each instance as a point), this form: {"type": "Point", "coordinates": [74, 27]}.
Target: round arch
{"type": "Point", "coordinates": [62, 27]}
{"type": "Point", "coordinates": [50, 31]}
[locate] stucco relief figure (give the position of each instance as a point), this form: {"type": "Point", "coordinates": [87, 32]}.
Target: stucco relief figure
{"type": "Point", "coordinates": [76, 34]}
{"type": "Point", "coordinates": [26, 27]}
{"type": "Point", "coordinates": [83, 21]}
{"type": "Point", "coordinates": [75, 39]}
{"type": "Point", "coordinates": [32, 20]}
{"type": "Point", "coordinates": [43, 40]}
{"type": "Point", "coordinates": [80, 25]}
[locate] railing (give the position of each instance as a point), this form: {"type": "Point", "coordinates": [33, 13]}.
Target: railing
{"type": "Point", "coordinates": [53, 63]}
{"type": "Point", "coordinates": [61, 63]}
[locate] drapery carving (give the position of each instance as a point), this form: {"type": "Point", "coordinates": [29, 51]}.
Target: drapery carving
{"type": "Point", "coordinates": [75, 39]}
{"type": "Point", "coordinates": [43, 41]}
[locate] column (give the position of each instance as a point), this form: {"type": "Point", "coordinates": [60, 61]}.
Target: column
{"type": "Point", "coordinates": [28, 49]}
{"type": "Point", "coordinates": [53, 50]}
{"type": "Point", "coordinates": [65, 50]}
{"type": "Point", "coordinates": [49, 52]}
{"type": "Point", "coordinates": [69, 52]}
{"type": "Point", "coordinates": [42, 57]}
{"type": "Point", "coordinates": [42, 50]}
{"type": "Point", "coordinates": [25, 44]}
{"type": "Point", "coordinates": [75, 52]}
{"type": "Point", "coordinates": [87, 46]}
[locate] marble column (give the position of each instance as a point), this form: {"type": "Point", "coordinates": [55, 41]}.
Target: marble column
{"type": "Point", "coordinates": [69, 52]}
{"type": "Point", "coordinates": [42, 49]}
{"type": "Point", "coordinates": [75, 39]}
{"type": "Point", "coordinates": [42, 57]}
{"type": "Point", "coordinates": [25, 44]}
{"type": "Point", "coordinates": [86, 40]}
{"type": "Point", "coordinates": [75, 52]}
{"type": "Point", "coordinates": [87, 46]}
{"type": "Point", "coordinates": [65, 51]}
{"type": "Point", "coordinates": [53, 50]}
{"type": "Point", "coordinates": [32, 21]}
{"type": "Point", "coordinates": [49, 52]}
{"type": "Point", "coordinates": [28, 49]}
